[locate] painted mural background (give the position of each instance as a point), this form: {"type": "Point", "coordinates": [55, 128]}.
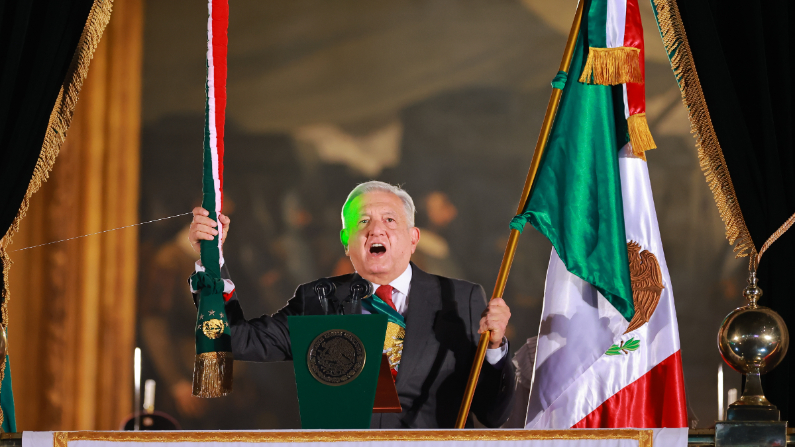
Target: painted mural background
{"type": "Point", "coordinates": [443, 97]}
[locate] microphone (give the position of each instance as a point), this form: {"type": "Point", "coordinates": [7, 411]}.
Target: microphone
{"type": "Point", "coordinates": [323, 289]}
{"type": "Point", "coordinates": [360, 289]}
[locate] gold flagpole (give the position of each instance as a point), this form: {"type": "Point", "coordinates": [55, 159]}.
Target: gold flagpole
{"type": "Point", "coordinates": [510, 249]}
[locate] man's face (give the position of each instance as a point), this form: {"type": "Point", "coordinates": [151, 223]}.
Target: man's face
{"type": "Point", "coordinates": [380, 241]}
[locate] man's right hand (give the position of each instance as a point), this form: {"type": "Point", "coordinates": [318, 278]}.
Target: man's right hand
{"type": "Point", "coordinates": [203, 228]}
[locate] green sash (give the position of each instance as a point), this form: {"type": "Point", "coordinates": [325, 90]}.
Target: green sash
{"type": "Point", "coordinates": [395, 329]}
{"type": "Point", "coordinates": [376, 305]}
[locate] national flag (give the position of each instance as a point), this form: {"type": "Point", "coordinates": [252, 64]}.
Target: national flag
{"type": "Point", "coordinates": [7, 400]}
{"type": "Point", "coordinates": [608, 345]}
{"type": "Point", "coordinates": [616, 57]}
{"type": "Point", "coordinates": [212, 371]}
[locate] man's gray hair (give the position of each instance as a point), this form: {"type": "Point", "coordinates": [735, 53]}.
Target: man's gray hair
{"type": "Point", "coordinates": [376, 186]}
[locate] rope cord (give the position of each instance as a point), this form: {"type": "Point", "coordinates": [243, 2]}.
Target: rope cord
{"type": "Point", "coordinates": [754, 264]}
{"type": "Point", "coordinates": [106, 231]}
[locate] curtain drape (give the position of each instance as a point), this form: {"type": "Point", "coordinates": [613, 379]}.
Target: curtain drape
{"type": "Point", "coordinates": [74, 371]}
{"type": "Point", "coordinates": [734, 64]}
{"type": "Point", "coordinates": [47, 48]}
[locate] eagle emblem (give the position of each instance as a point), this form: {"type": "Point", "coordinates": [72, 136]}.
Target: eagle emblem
{"type": "Point", "coordinates": [647, 284]}
{"type": "Point", "coordinates": [213, 328]}
{"type": "Point", "coordinates": [336, 357]}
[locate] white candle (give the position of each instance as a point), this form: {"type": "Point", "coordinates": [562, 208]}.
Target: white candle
{"type": "Point", "coordinates": [149, 396]}
{"type": "Point", "coordinates": [731, 396]}
{"type": "Point", "coordinates": [720, 392]}
{"type": "Point", "coordinates": [137, 379]}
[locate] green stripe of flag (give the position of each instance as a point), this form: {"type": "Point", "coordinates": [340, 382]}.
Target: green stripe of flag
{"type": "Point", "coordinates": [210, 255]}
{"type": "Point", "coordinates": [576, 201]}
{"type": "Point", "coordinates": [596, 32]}
{"type": "Point", "coordinates": [7, 401]}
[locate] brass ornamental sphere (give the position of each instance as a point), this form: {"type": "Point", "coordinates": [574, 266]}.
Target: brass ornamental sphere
{"type": "Point", "coordinates": [753, 338]}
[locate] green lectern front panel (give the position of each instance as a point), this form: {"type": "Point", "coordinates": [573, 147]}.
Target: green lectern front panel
{"type": "Point", "coordinates": [337, 389]}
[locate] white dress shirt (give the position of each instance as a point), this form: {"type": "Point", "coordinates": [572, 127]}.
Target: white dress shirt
{"type": "Point", "coordinates": [401, 287]}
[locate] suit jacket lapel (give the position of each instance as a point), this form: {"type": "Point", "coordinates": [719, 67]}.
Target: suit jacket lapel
{"type": "Point", "coordinates": [423, 302]}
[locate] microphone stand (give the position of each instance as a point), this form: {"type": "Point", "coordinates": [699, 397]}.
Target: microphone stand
{"type": "Point", "coordinates": [323, 289]}
{"type": "Point", "coordinates": [360, 289]}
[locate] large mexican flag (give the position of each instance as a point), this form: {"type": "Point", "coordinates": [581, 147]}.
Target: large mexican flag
{"type": "Point", "coordinates": [608, 344]}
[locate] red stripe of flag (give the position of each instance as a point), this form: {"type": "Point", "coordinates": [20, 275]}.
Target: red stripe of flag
{"type": "Point", "coordinates": [655, 400]}
{"type": "Point", "coordinates": [633, 37]}
{"type": "Point", "coordinates": [220, 23]}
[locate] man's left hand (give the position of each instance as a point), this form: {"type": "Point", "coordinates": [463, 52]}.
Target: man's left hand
{"type": "Point", "coordinates": [495, 319]}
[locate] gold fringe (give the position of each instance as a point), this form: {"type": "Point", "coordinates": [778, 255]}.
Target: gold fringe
{"type": "Point", "coordinates": [60, 439]}
{"type": "Point", "coordinates": [640, 135]}
{"type": "Point", "coordinates": [60, 119]}
{"type": "Point", "coordinates": [212, 374]}
{"type": "Point", "coordinates": [710, 154]}
{"type": "Point", "coordinates": [612, 66]}
{"type": "Point", "coordinates": [643, 436]}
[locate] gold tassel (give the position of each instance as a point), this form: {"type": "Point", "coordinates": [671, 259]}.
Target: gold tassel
{"type": "Point", "coordinates": [710, 154]}
{"type": "Point", "coordinates": [640, 135]}
{"type": "Point", "coordinates": [612, 66]}
{"type": "Point", "coordinates": [212, 374]}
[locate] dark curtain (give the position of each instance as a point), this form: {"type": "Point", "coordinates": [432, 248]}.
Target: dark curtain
{"type": "Point", "coordinates": [39, 38]}
{"type": "Point", "coordinates": [744, 53]}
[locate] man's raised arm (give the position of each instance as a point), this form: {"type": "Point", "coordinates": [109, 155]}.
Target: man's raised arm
{"type": "Point", "coordinates": [262, 339]}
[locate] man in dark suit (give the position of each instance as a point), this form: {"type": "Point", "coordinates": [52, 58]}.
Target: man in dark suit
{"type": "Point", "coordinates": [442, 317]}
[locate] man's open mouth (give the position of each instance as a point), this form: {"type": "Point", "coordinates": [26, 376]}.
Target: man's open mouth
{"type": "Point", "coordinates": [377, 249]}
